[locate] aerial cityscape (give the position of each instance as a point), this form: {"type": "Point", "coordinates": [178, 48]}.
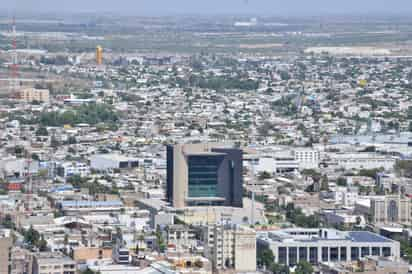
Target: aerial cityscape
{"type": "Point", "coordinates": [199, 140]}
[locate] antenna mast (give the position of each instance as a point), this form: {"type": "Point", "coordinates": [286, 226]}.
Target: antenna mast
{"type": "Point", "coordinates": [14, 67]}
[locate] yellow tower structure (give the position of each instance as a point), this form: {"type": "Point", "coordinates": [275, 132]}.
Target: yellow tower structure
{"type": "Point", "coordinates": [99, 55]}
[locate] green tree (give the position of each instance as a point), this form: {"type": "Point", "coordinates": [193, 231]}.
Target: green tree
{"type": "Point", "coordinates": [264, 175]}
{"type": "Point", "coordinates": [42, 244]}
{"type": "Point", "coordinates": [265, 256]}
{"type": "Point", "coordinates": [42, 131]}
{"type": "Point", "coordinates": [304, 267]}
{"type": "Point", "coordinates": [8, 222]}
{"type": "Point", "coordinates": [279, 269]}
{"type": "Point", "coordinates": [342, 181]}
{"type": "Point", "coordinates": [324, 183]}
{"type": "Point", "coordinates": [31, 236]}
{"type": "Point", "coordinates": [159, 240]}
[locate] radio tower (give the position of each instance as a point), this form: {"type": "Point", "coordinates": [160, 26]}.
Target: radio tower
{"type": "Point", "coordinates": [29, 185]}
{"type": "Point", "coordinates": [14, 67]}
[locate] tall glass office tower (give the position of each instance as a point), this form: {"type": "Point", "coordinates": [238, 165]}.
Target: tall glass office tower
{"type": "Point", "coordinates": [204, 174]}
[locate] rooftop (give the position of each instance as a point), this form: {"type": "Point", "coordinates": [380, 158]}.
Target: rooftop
{"type": "Point", "coordinates": [319, 234]}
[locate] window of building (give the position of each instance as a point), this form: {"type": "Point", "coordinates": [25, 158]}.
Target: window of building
{"type": "Point", "coordinates": [203, 175]}
{"type": "Point", "coordinates": [325, 254]}
{"type": "Point", "coordinates": [334, 254]}
{"type": "Point", "coordinates": [282, 254]}
{"type": "Point", "coordinates": [393, 211]}
{"type": "Point", "coordinates": [343, 255]}
{"type": "Point", "coordinates": [313, 255]}
{"type": "Point", "coordinates": [293, 255]}
{"type": "Point", "coordinates": [376, 251]}
{"type": "Point", "coordinates": [386, 251]}
{"type": "Point", "coordinates": [354, 253]}
{"type": "Point", "coordinates": [303, 254]}
{"type": "Point", "coordinates": [365, 251]}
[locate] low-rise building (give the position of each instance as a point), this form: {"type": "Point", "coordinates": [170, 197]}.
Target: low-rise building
{"type": "Point", "coordinates": [30, 95]}
{"type": "Point", "coordinates": [289, 246]}
{"type": "Point", "coordinates": [53, 262]}
{"type": "Point", "coordinates": [112, 161]}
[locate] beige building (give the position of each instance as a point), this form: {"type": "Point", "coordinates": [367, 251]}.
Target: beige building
{"type": "Point", "coordinates": [231, 247]}
{"type": "Point", "coordinates": [391, 209]}
{"type": "Point", "coordinates": [5, 245]}
{"type": "Point", "coordinates": [52, 262]}
{"type": "Point", "coordinates": [31, 95]}
{"type": "Point", "coordinates": [368, 265]}
{"type": "Point", "coordinates": [82, 254]}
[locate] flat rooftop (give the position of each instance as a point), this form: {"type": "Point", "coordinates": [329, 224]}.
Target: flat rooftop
{"type": "Point", "coordinates": [319, 234]}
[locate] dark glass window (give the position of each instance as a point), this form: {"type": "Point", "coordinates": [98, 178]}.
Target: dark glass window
{"type": "Point", "coordinates": [203, 175]}
{"type": "Point", "coordinates": [343, 255]}
{"type": "Point", "coordinates": [293, 255]}
{"type": "Point", "coordinates": [313, 255]}
{"type": "Point", "coordinates": [354, 253]}
{"type": "Point", "coordinates": [325, 254]}
{"type": "Point", "coordinates": [334, 254]}
{"type": "Point", "coordinates": [282, 255]}
{"type": "Point", "coordinates": [364, 251]}
{"type": "Point", "coordinates": [303, 254]}
{"type": "Point", "coordinates": [376, 251]}
{"type": "Point", "coordinates": [386, 251]}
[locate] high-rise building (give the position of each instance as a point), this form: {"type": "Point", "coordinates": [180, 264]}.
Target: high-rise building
{"type": "Point", "coordinates": [99, 55]}
{"type": "Point", "coordinates": [204, 175]}
{"type": "Point", "coordinates": [5, 246]}
{"type": "Point", "coordinates": [391, 209]}
{"type": "Point", "coordinates": [230, 247]}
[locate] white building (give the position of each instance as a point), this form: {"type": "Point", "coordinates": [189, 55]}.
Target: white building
{"type": "Point", "coordinates": [112, 161]}
{"type": "Point", "coordinates": [68, 169]}
{"type": "Point", "coordinates": [342, 217]}
{"type": "Point", "coordinates": [346, 196]}
{"type": "Point", "coordinates": [289, 246]}
{"type": "Point", "coordinates": [362, 160]}
{"type": "Point", "coordinates": [308, 158]}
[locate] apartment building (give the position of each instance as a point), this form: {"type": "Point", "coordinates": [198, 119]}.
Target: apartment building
{"type": "Point", "coordinates": [30, 95]}
{"type": "Point", "coordinates": [231, 247]}
{"type": "Point", "coordinates": [53, 262]}
{"type": "Point", "coordinates": [5, 245]}
{"type": "Point", "coordinates": [307, 158]}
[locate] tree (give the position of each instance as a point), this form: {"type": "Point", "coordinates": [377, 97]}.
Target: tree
{"type": "Point", "coordinates": [198, 264]}
{"type": "Point", "coordinates": [42, 244]}
{"type": "Point", "coordinates": [324, 185]}
{"type": "Point", "coordinates": [89, 271]}
{"type": "Point", "coordinates": [304, 267]}
{"type": "Point", "coordinates": [342, 181]}
{"type": "Point", "coordinates": [265, 256]}
{"type": "Point", "coordinates": [159, 240]}
{"type": "Point", "coordinates": [31, 236]}
{"type": "Point", "coordinates": [42, 131]}
{"type": "Point", "coordinates": [279, 269]}
{"type": "Point", "coordinates": [8, 222]}
{"type": "Point", "coordinates": [264, 175]}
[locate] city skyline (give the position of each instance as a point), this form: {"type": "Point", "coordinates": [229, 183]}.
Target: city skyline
{"type": "Point", "coordinates": [234, 7]}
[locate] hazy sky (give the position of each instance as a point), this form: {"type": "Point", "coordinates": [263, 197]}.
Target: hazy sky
{"type": "Point", "coordinates": [161, 7]}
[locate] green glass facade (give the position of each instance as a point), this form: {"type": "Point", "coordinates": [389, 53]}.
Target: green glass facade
{"type": "Point", "coordinates": [203, 175]}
